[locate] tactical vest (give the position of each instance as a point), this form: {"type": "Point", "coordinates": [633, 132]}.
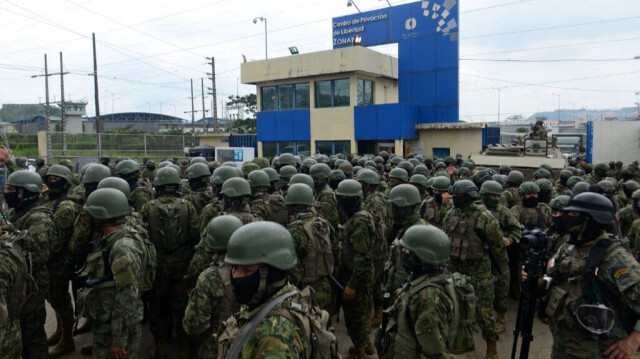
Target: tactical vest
{"type": "Point", "coordinates": [432, 213]}
{"type": "Point", "coordinates": [23, 284]}
{"type": "Point", "coordinates": [228, 304]}
{"type": "Point", "coordinates": [465, 243]}
{"type": "Point", "coordinates": [319, 261]}
{"type": "Point", "coordinates": [169, 224]}
{"type": "Point", "coordinates": [531, 219]}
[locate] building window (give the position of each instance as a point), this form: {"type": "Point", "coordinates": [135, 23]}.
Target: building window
{"type": "Point", "coordinates": [275, 148]}
{"type": "Point", "coordinates": [333, 93]}
{"type": "Point", "coordinates": [269, 149]}
{"type": "Point", "coordinates": [333, 147]}
{"type": "Point", "coordinates": [285, 97]}
{"type": "Point", "coordinates": [365, 92]}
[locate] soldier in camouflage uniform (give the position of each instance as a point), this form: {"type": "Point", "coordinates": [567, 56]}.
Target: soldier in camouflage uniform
{"type": "Point", "coordinates": [634, 231]}
{"type": "Point", "coordinates": [260, 186]}
{"type": "Point", "coordinates": [530, 212]}
{"type": "Point", "coordinates": [277, 209]}
{"type": "Point", "coordinates": [173, 226]}
{"type": "Point", "coordinates": [285, 174]}
{"type": "Point", "coordinates": [59, 181]}
{"type": "Point", "coordinates": [593, 268]}
{"type": "Point", "coordinates": [112, 301]}
{"type": "Point", "coordinates": [335, 178]}
{"type": "Point", "coordinates": [599, 173]}
{"type": "Point", "coordinates": [148, 173]}
{"type": "Point", "coordinates": [200, 195]}
{"type": "Point", "coordinates": [475, 238]}
{"type": "Point", "coordinates": [212, 301]}
{"type": "Point", "coordinates": [436, 207]}
{"type": "Point", "coordinates": [423, 313]}
{"type": "Point", "coordinates": [236, 194]}
{"type": "Point", "coordinates": [261, 255]}
{"type": "Point", "coordinates": [313, 243]}
{"type": "Point", "coordinates": [213, 209]}
{"type": "Point", "coordinates": [376, 203]}
{"type": "Point", "coordinates": [22, 197]}
{"type": "Point", "coordinates": [41, 167]}
{"type": "Point", "coordinates": [324, 197]}
{"type": "Point", "coordinates": [397, 176]}
{"type": "Point", "coordinates": [129, 170]}
{"type": "Point", "coordinates": [356, 265]}
{"type": "Point", "coordinates": [561, 187]}
{"type": "Point", "coordinates": [514, 180]}
{"type": "Point", "coordinates": [490, 193]}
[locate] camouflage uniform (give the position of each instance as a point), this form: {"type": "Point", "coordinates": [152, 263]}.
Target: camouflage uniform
{"type": "Point", "coordinates": [634, 237]}
{"type": "Point", "coordinates": [327, 206]}
{"type": "Point", "coordinates": [394, 273]}
{"type": "Point", "coordinates": [626, 216]}
{"type": "Point", "coordinates": [512, 196]}
{"type": "Point", "coordinates": [275, 337]}
{"type": "Point", "coordinates": [115, 307]}
{"type": "Point", "coordinates": [376, 203]}
{"type": "Point", "coordinates": [42, 170]}
{"type": "Point", "coordinates": [244, 214]}
{"type": "Point", "coordinates": [10, 333]}
{"type": "Point", "coordinates": [618, 270]}
{"type": "Point", "coordinates": [530, 218]}
{"type": "Point", "coordinates": [200, 198]}
{"type": "Point", "coordinates": [260, 206]}
{"type": "Point", "coordinates": [302, 243]}
{"type": "Point", "coordinates": [356, 271]}
{"type": "Point", "coordinates": [211, 302]}
{"type": "Point", "coordinates": [174, 249]}
{"type": "Point", "coordinates": [434, 213]}
{"type": "Point", "coordinates": [39, 222]}
{"type": "Point", "coordinates": [209, 212]}
{"type": "Point", "coordinates": [140, 195]}
{"type": "Point", "coordinates": [277, 209]}
{"type": "Point", "coordinates": [511, 229]}
{"type": "Point", "coordinates": [470, 258]}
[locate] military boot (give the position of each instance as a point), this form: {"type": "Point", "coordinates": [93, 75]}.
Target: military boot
{"type": "Point", "coordinates": [376, 320]}
{"type": "Point", "coordinates": [161, 348]}
{"type": "Point", "coordinates": [492, 350]}
{"type": "Point", "coordinates": [502, 322]}
{"type": "Point", "coordinates": [65, 345]}
{"type": "Point", "coordinates": [55, 337]}
{"type": "Point", "coordinates": [358, 353]}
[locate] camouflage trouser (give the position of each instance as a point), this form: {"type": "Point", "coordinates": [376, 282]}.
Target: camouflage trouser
{"type": "Point", "coordinates": [483, 284]}
{"type": "Point", "coordinates": [11, 341]}
{"type": "Point", "coordinates": [167, 303]}
{"type": "Point", "coordinates": [60, 299]}
{"type": "Point", "coordinates": [378, 277]}
{"type": "Point", "coordinates": [356, 313]}
{"type": "Point", "coordinates": [501, 297]}
{"type": "Point", "coordinates": [102, 340]}
{"type": "Point", "coordinates": [34, 338]}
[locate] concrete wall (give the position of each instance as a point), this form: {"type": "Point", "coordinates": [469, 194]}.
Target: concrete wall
{"type": "Point", "coordinates": [463, 141]}
{"type": "Point", "coordinates": [616, 140]}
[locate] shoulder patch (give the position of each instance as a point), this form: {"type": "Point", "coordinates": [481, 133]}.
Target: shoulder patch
{"type": "Point", "coordinates": [620, 273]}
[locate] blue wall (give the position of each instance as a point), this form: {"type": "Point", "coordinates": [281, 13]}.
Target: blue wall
{"type": "Point", "coordinates": [390, 121]}
{"type": "Point", "coordinates": [290, 125]}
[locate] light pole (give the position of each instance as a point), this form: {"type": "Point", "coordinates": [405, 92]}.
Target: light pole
{"type": "Point", "coordinates": [255, 21]}
{"type": "Point", "coordinates": [237, 86]}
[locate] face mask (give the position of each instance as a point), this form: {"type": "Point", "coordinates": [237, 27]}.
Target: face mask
{"type": "Point", "coordinates": [491, 201]}
{"type": "Point", "coordinates": [560, 224]}
{"type": "Point", "coordinates": [461, 201]}
{"type": "Point", "coordinates": [244, 289]}
{"type": "Point", "coordinates": [11, 198]}
{"type": "Point", "coordinates": [410, 261]}
{"type": "Point", "coordinates": [636, 206]}
{"type": "Point", "coordinates": [437, 197]}
{"type": "Point", "coordinates": [531, 202]}
{"type": "Point", "coordinates": [459, 162]}
{"type": "Point", "coordinates": [151, 168]}
{"type": "Point", "coordinates": [56, 187]}
{"type": "Point", "coordinates": [105, 163]}
{"type": "Point", "coordinates": [544, 197]}
{"type": "Point", "coordinates": [318, 186]}
{"type": "Point", "coordinates": [197, 184]}
{"type": "Point", "coordinates": [573, 223]}
{"type": "Point", "coordinates": [89, 188]}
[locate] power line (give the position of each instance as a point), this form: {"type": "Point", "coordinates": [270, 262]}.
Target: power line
{"type": "Point", "coordinates": [551, 60]}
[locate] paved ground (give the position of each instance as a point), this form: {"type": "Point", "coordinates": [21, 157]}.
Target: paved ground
{"type": "Point", "coordinates": [540, 347]}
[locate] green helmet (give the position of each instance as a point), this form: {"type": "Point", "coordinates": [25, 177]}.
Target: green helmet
{"type": "Point", "coordinates": [515, 178]}
{"type": "Point", "coordinates": [407, 166]}
{"type": "Point", "coordinates": [166, 176]}
{"type": "Point", "coordinates": [309, 162]}
{"type": "Point", "coordinates": [441, 184]}
{"type": "Point", "coordinates": [67, 163]}
{"type": "Point", "coordinates": [84, 168]}
{"type": "Point", "coordinates": [127, 167]}
{"type": "Point", "coordinates": [337, 175]}
{"type": "Point", "coordinates": [221, 174]}
{"type": "Point", "coordinates": [421, 170]}
{"type": "Point", "coordinates": [350, 188]}
{"type": "Point", "coordinates": [258, 179]}
{"type": "Point", "coordinates": [491, 187]}
{"type": "Point", "coordinates": [580, 187]}
{"type": "Point", "coordinates": [320, 170]}
{"type": "Point", "coordinates": [287, 171]}
{"type": "Point", "coordinates": [368, 176]}
{"type": "Point", "coordinates": [299, 194]}
{"type": "Point", "coordinates": [261, 162]}
{"type": "Point", "coordinates": [236, 187]}
{"type": "Point", "coordinates": [565, 175]}
{"type": "Point", "coordinates": [559, 202]}
{"type": "Point", "coordinates": [541, 173]}
{"type": "Point", "coordinates": [272, 173]}
{"type": "Point", "coordinates": [630, 187]}
{"type": "Point", "coordinates": [95, 174]}
{"type": "Point", "coordinates": [262, 243]}
{"type": "Point", "coordinates": [414, 162]}
{"type": "Point", "coordinates": [607, 187]}
{"type": "Point", "coordinates": [249, 167]}
{"type": "Point", "coordinates": [545, 185]}
{"type": "Point", "coordinates": [40, 161]}
{"type": "Point", "coordinates": [287, 159]}
{"type": "Point", "coordinates": [600, 169]}
{"type": "Point", "coordinates": [573, 180]}
{"type": "Point", "coordinates": [197, 170]}
{"type": "Point", "coordinates": [347, 168]}
{"type": "Point", "coordinates": [504, 168]}
{"type": "Point", "coordinates": [464, 171]}
{"type": "Point", "coordinates": [395, 160]}
{"type": "Point", "coordinates": [399, 173]}
{"type": "Point", "coordinates": [219, 230]}
{"type": "Point", "coordinates": [107, 203]}
{"type": "Point", "coordinates": [528, 187]}
{"type": "Point", "coordinates": [465, 186]}
{"type": "Point", "coordinates": [383, 154]}
{"type": "Point", "coordinates": [547, 167]}
{"type": "Point", "coordinates": [419, 179]}
{"type": "Point", "coordinates": [198, 160]}
{"type": "Point", "coordinates": [429, 243]}
{"type": "Point", "coordinates": [164, 164]}
{"type": "Point", "coordinates": [60, 171]}
{"type": "Point", "coordinates": [440, 166]}
{"type": "Point", "coordinates": [116, 183]}
{"type": "Point", "coordinates": [636, 194]}
{"type": "Point", "coordinates": [28, 180]}
{"type": "Point", "coordinates": [404, 195]}
{"type": "Point", "coordinates": [230, 164]}
{"type": "Point", "coordinates": [302, 178]}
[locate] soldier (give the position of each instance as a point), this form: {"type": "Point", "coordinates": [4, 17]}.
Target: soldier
{"type": "Point", "coordinates": [434, 209]}
{"type": "Point", "coordinates": [58, 179]}
{"type": "Point", "coordinates": [249, 167]}
{"type": "Point", "coordinates": [236, 194]}
{"type": "Point", "coordinates": [184, 164]}
{"type": "Point", "coordinates": [312, 239]}
{"type": "Point", "coordinates": [538, 132]}
{"type": "Point", "coordinates": [41, 167]}
{"type": "Point", "coordinates": [262, 255]}
{"type": "Point", "coordinates": [475, 239]}
{"type": "Point", "coordinates": [129, 170]}
{"type": "Point", "coordinates": [260, 186]}
{"type": "Point", "coordinates": [397, 176]}
{"type": "Point", "coordinates": [599, 173]}
{"type": "Point", "coordinates": [286, 172]}
{"type": "Point", "coordinates": [173, 226]}
{"type": "Point", "coordinates": [504, 169]}
{"type": "Point", "coordinates": [325, 199]}
{"type": "Point", "coordinates": [277, 209]}
{"type": "Point", "coordinates": [490, 193]}
{"type": "Point", "coordinates": [376, 203]}
{"type": "Point", "coordinates": [420, 182]}
{"type": "Point", "coordinates": [424, 313]}
{"type": "Point", "coordinates": [148, 173]}
{"type": "Point", "coordinates": [530, 212]}
{"type": "Point", "coordinates": [561, 186]}
{"type": "Point", "coordinates": [634, 231]}
{"type": "Point", "coordinates": [558, 231]}
{"type": "Point", "coordinates": [212, 301]}
{"type": "Point", "coordinates": [335, 178]}
{"type": "Point", "coordinates": [200, 194]}
{"type": "Point", "coordinates": [594, 277]}
{"type": "Point", "coordinates": [514, 180]}
{"type": "Point", "coordinates": [347, 169]}
{"type": "Point", "coordinates": [22, 197]}
{"type": "Point", "coordinates": [546, 190]}
{"type": "Point", "coordinates": [356, 265]}
{"type": "Point", "coordinates": [111, 294]}
{"type": "Point", "coordinates": [213, 209]}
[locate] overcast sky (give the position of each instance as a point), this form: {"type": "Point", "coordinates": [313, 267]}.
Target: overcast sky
{"type": "Point", "coordinates": [149, 50]}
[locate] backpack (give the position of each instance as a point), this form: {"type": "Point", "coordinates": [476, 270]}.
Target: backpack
{"type": "Point", "coordinates": [278, 211]}
{"type": "Point", "coordinates": [149, 262]}
{"type": "Point", "coordinates": [168, 224]}
{"type": "Point", "coordinates": [319, 261]}
{"type": "Point", "coordinates": [17, 246]}
{"type": "Point", "coordinates": [466, 301]}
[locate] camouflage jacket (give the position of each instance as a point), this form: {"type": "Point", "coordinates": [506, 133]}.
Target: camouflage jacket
{"type": "Point", "coordinates": [356, 262]}
{"type": "Point", "coordinates": [433, 213]}
{"type": "Point", "coordinates": [512, 196]}
{"type": "Point", "coordinates": [260, 206]}
{"type": "Point", "coordinates": [140, 196]}
{"type": "Point", "coordinates": [394, 273]}
{"type": "Point", "coordinates": [531, 219]}
{"type": "Point", "coordinates": [328, 206]}
{"type": "Point", "coordinates": [209, 212]}
{"type": "Point", "coordinates": [244, 214]}
{"type": "Point", "coordinates": [627, 215]}
{"type": "Point", "coordinates": [376, 203]}
{"type": "Point", "coordinates": [199, 199]}
{"type": "Point", "coordinates": [508, 223]}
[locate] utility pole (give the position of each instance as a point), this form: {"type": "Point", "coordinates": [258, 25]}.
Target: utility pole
{"type": "Point", "coordinates": [213, 92]}
{"type": "Point", "coordinates": [204, 119]}
{"type": "Point", "coordinates": [62, 109]}
{"type": "Point", "coordinates": [47, 119]}
{"type": "Point", "coordinates": [96, 96]}
{"type": "Point", "coordinates": [193, 112]}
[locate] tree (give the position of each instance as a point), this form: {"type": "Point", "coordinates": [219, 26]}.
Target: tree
{"type": "Point", "coordinates": [247, 125]}
{"type": "Point", "coordinates": [522, 130]}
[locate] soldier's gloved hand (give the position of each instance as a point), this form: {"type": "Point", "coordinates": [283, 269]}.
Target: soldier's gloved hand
{"type": "Point", "coordinates": [348, 293]}
{"type": "Point", "coordinates": [117, 352]}
{"type": "Point", "coordinates": [624, 348]}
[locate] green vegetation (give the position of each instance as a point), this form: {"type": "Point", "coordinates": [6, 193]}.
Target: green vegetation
{"type": "Point", "coordinates": [11, 112]}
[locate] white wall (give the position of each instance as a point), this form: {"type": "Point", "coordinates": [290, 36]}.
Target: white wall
{"type": "Point", "coordinates": [616, 140]}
